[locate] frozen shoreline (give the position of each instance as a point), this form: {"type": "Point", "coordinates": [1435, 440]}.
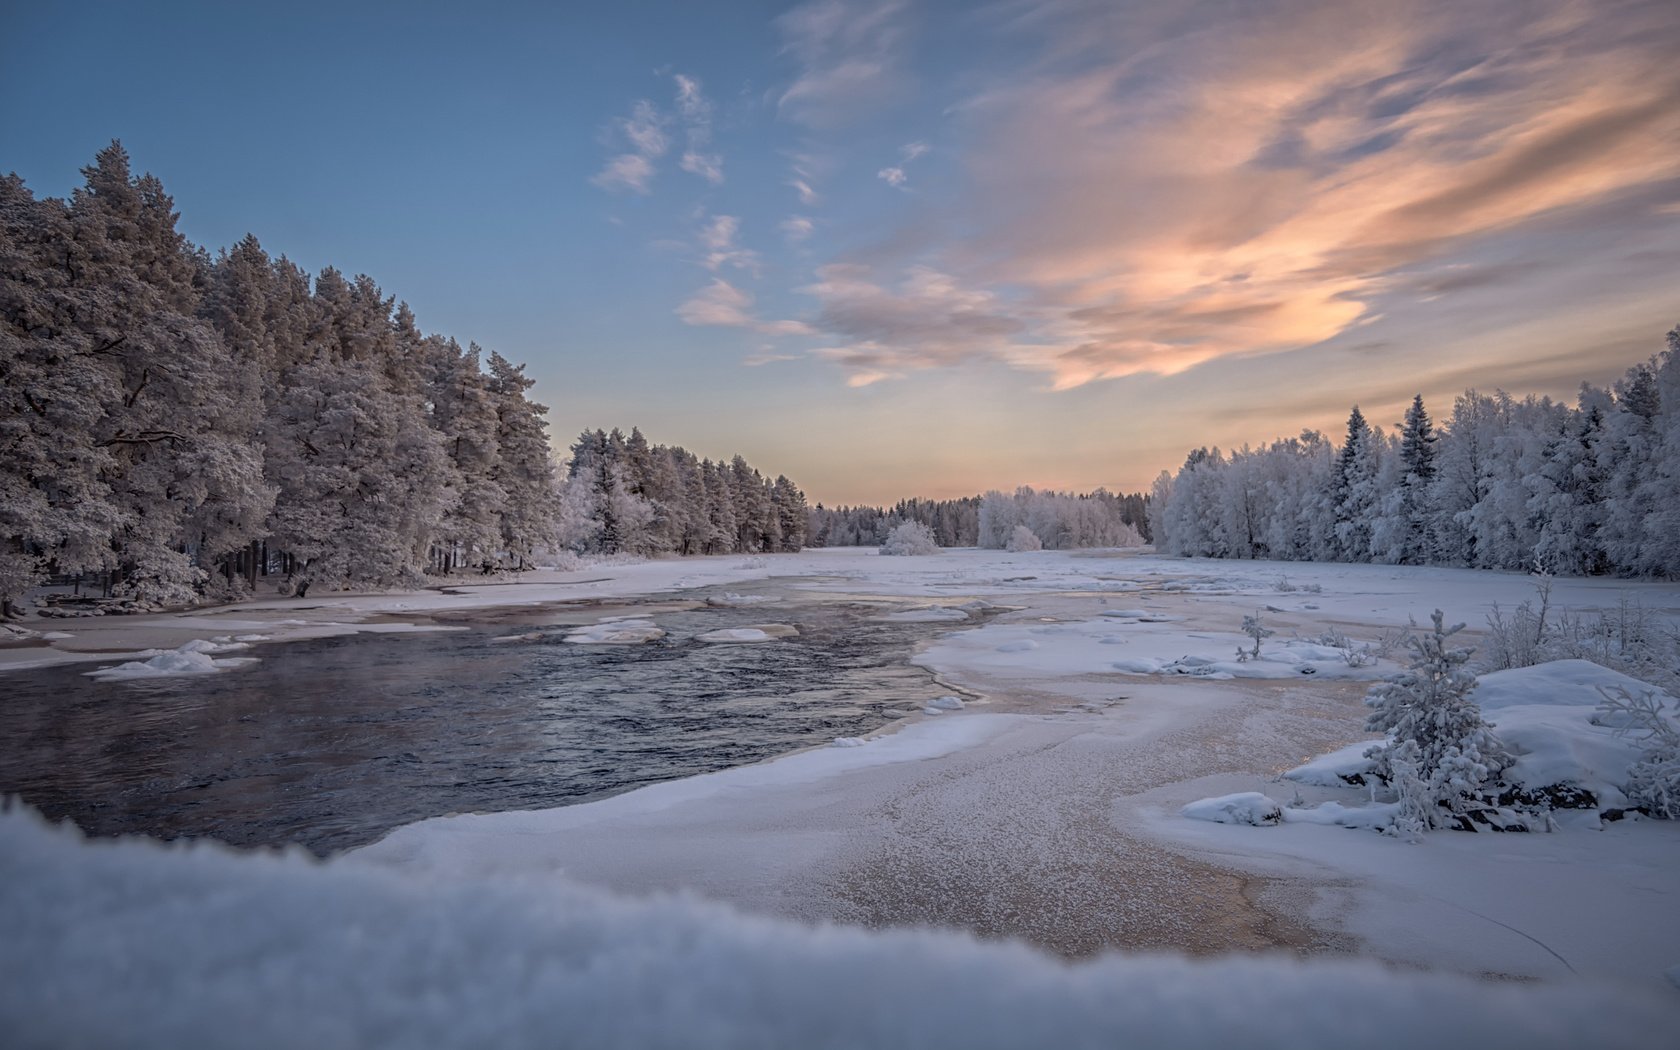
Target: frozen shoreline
{"type": "Point", "coordinates": [1049, 813]}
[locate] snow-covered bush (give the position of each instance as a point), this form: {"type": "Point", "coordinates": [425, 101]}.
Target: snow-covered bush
{"type": "Point", "coordinates": [1255, 629]}
{"type": "Point", "coordinates": [911, 537]}
{"type": "Point", "coordinates": [1024, 539]}
{"type": "Point", "coordinates": [1442, 757]}
{"type": "Point", "coordinates": [1654, 781]}
{"type": "Point", "coordinates": [1626, 639]}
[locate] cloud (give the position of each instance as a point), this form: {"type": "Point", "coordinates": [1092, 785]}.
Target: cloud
{"type": "Point", "coordinates": [627, 171]}
{"type": "Point", "coordinates": [911, 150]}
{"type": "Point", "coordinates": [1161, 191]}
{"type": "Point", "coordinates": [850, 58]}
{"type": "Point", "coordinates": [927, 319]}
{"type": "Point", "coordinates": [807, 195]}
{"type": "Point", "coordinates": [644, 131]}
{"type": "Point", "coordinates": [695, 110]}
{"type": "Point", "coordinates": [647, 133]}
{"type": "Point", "coordinates": [708, 166]}
{"type": "Point", "coordinates": [721, 304]}
{"type": "Point", "coordinates": [895, 176]}
{"type": "Point", "coordinates": [797, 229]}
{"type": "Point", "coordinates": [717, 240]}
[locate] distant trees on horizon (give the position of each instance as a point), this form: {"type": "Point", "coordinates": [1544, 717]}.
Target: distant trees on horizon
{"type": "Point", "coordinates": [1059, 520]}
{"type": "Point", "coordinates": [1588, 489]}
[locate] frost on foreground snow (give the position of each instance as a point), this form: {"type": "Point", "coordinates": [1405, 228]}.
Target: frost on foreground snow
{"type": "Point", "coordinates": [135, 944]}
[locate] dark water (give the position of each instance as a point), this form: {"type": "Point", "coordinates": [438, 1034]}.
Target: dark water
{"type": "Point", "coordinates": [331, 743]}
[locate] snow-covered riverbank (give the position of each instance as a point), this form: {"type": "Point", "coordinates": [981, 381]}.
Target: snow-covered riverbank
{"type": "Point", "coordinates": [1110, 695]}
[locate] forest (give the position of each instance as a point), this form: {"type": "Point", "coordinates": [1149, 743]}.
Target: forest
{"type": "Point", "coordinates": [179, 424]}
{"type": "Point", "coordinates": [176, 426]}
{"type": "Point", "coordinates": [1532, 484]}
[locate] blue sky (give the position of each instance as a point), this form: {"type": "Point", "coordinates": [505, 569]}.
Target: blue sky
{"type": "Point", "coordinates": [895, 248]}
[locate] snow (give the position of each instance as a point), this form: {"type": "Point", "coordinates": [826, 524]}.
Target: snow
{"type": "Point", "coordinates": [1242, 807]}
{"type": "Point", "coordinates": [943, 817]}
{"type": "Point", "coordinates": [134, 944]}
{"type": "Point", "coordinates": [1336, 768]}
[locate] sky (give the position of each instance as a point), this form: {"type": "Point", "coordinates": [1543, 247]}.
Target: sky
{"type": "Point", "coordinates": [898, 248]}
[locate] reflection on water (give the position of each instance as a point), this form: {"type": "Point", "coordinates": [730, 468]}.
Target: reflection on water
{"type": "Point", "coordinates": [331, 743]}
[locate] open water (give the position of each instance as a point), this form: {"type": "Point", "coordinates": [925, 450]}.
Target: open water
{"type": "Point", "coordinates": [331, 743]}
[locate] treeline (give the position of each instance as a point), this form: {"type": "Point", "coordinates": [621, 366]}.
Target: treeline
{"type": "Point", "coordinates": [1592, 488]}
{"type": "Point", "coordinates": [181, 424]}
{"type": "Point", "coordinates": [1060, 520]}
{"type": "Point", "coordinates": [624, 496]}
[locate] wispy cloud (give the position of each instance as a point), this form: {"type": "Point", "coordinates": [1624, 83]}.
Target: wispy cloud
{"type": "Point", "coordinates": [850, 59]}
{"type": "Point", "coordinates": [797, 229]}
{"type": "Point", "coordinates": [925, 320]}
{"type": "Point", "coordinates": [720, 248]}
{"type": "Point", "coordinates": [895, 176]}
{"type": "Point", "coordinates": [695, 110]}
{"type": "Point", "coordinates": [647, 134]}
{"type": "Point", "coordinates": [644, 132]}
{"type": "Point", "coordinates": [1160, 194]}
{"type": "Point", "coordinates": [721, 304]}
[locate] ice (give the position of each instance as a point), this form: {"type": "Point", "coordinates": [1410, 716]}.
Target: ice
{"type": "Point", "coordinates": [764, 632]}
{"type": "Point", "coordinates": [731, 600]}
{"type": "Point", "coordinates": [848, 741]}
{"type": "Point", "coordinates": [616, 630]}
{"type": "Point", "coordinates": [926, 614]}
{"type": "Point", "coordinates": [191, 658]}
{"type": "Point", "coordinates": [946, 703]}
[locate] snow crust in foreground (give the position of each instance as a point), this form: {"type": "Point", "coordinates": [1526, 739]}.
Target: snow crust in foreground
{"type": "Point", "coordinates": [135, 944]}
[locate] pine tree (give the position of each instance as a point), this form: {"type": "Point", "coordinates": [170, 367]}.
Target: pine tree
{"type": "Point", "coordinates": [1353, 496]}
{"type": "Point", "coordinates": [1438, 734]}
{"type": "Point", "coordinates": [1417, 458]}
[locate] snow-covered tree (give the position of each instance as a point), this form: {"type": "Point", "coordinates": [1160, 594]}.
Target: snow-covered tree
{"type": "Point", "coordinates": [1024, 539]}
{"type": "Point", "coordinates": [911, 537]}
{"type": "Point", "coordinates": [1439, 742]}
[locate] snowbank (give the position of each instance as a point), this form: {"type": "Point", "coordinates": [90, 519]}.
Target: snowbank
{"type": "Point", "coordinates": [1341, 768]}
{"type": "Point", "coordinates": [1244, 807]}
{"type": "Point", "coordinates": [1547, 716]}
{"type": "Point", "coordinates": [132, 944]}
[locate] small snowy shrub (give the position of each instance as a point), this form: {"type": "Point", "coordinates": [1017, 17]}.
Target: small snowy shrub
{"type": "Point", "coordinates": [911, 537]}
{"type": "Point", "coordinates": [1023, 539]}
{"type": "Point", "coordinates": [1654, 781]}
{"type": "Point", "coordinates": [1255, 629]}
{"type": "Point", "coordinates": [1439, 739]}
